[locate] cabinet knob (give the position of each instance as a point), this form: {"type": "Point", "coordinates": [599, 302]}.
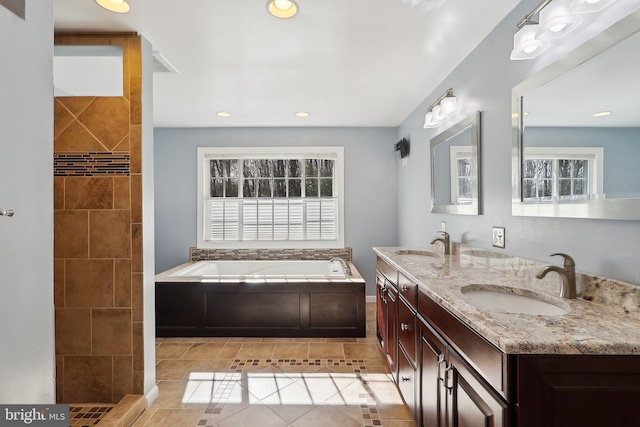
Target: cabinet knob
{"type": "Point", "coordinates": [6, 212]}
{"type": "Point", "coordinates": [405, 288]}
{"type": "Point", "coordinates": [405, 379]}
{"type": "Point", "coordinates": [404, 326]}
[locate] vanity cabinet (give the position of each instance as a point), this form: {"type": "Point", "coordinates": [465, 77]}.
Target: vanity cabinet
{"type": "Point", "coordinates": [451, 376]}
{"type": "Point", "coordinates": [387, 321]}
{"type": "Point", "coordinates": [453, 392]}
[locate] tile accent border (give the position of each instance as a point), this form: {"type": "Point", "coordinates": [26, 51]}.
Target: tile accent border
{"type": "Point", "coordinates": [87, 415]}
{"type": "Point", "coordinates": [91, 164]}
{"type": "Point", "coordinates": [196, 254]}
{"type": "Point", "coordinates": [367, 403]}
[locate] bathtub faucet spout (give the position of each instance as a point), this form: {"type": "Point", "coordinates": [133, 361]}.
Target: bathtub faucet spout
{"type": "Point", "coordinates": [345, 266]}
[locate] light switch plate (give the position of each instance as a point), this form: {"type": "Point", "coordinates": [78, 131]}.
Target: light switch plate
{"type": "Point", "coordinates": [498, 237]}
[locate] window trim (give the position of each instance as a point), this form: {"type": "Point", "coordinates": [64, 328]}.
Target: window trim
{"type": "Point", "coordinates": [206, 153]}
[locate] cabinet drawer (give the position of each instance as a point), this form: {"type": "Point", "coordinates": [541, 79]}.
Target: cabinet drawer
{"type": "Point", "coordinates": [407, 330]}
{"type": "Point", "coordinates": [483, 356]}
{"type": "Point", "coordinates": [389, 272]}
{"type": "Point", "coordinates": [408, 290]}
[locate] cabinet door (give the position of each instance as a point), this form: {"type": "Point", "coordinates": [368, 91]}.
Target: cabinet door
{"type": "Point", "coordinates": [473, 403]}
{"type": "Point", "coordinates": [407, 329]}
{"type": "Point", "coordinates": [392, 329]}
{"type": "Point", "coordinates": [431, 397]}
{"type": "Point", "coordinates": [381, 312]}
{"type": "Point", "coordinates": [407, 380]}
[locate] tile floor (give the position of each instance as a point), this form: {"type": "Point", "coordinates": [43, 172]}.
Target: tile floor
{"type": "Point", "coordinates": [236, 382]}
{"type": "Point", "coordinates": [87, 416]}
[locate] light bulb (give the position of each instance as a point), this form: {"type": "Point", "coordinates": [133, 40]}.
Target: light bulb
{"type": "Point", "coordinates": [282, 4]}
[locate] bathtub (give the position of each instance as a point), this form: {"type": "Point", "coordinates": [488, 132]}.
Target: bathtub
{"type": "Point", "coordinates": [257, 270]}
{"type": "Point", "coordinates": [260, 299]}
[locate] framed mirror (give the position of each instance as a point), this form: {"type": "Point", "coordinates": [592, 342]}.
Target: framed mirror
{"type": "Point", "coordinates": [455, 164]}
{"type": "Point", "coordinates": [576, 139]}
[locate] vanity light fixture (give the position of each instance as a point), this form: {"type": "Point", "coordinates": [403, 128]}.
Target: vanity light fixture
{"type": "Point", "coordinates": [439, 111]}
{"type": "Point", "coordinates": [283, 9]}
{"type": "Point", "coordinates": [525, 43]}
{"type": "Point", "coordinates": [589, 6]}
{"type": "Point", "coordinates": [557, 19]}
{"type": "Point", "coordinates": [117, 6]}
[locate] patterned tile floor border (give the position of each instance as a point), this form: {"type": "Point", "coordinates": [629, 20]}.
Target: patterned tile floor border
{"type": "Point", "coordinates": [87, 416]}
{"type": "Point", "coordinates": [366, 401]}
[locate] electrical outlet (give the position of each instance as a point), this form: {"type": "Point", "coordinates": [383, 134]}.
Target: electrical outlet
{"type": "Point", "coordinates": [443, 226]}
{"type": "Point", "coordinates": [498, 237]}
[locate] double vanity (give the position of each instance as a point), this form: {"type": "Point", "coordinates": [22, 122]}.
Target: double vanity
{"type": "Point", "coordinates": [476, 339]}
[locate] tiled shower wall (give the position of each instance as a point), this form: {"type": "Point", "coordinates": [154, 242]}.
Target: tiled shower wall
{"type": "Point", "coordinates": [98, 236]}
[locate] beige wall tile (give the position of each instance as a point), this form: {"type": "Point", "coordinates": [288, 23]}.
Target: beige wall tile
{"type": "Point", "coordinates": [58, 283]}
{"type": "Point", "coordinates": [61, 117]}
{"type": "Point", "coordinates": [121, 192]}
{"type": "Point", "coordinates": [137, 296]}
{"type": "Point", "coordinates": [73, 331]}
{"type": "Point", "coordinates": [71, 234]}
{"type": "Point", "coordinates": [122, 377]}
{"type": "Point", "coordinates": [136, 198]}
{"type": "Point", "coordinates": [138, 346]}
{"type": "Point", "coordinates": [75, 138]}
{"type": "Point", "coordinates": [88, 379]}
{"type": "Point", "coordinates": [107, 118]}
{"type": "Point", "coordinates": [88, 192]}
{"type": "Point", "coordinates": [75, 104]}
{"type": "Point", "coordinates": [111, 331]}
{"type": "Point", "coordinates": [122, 283]}
{"type": "Point", "coordinates": [109, 233]}
{"type": "Point", "coordinates": [89, 283]}
{"type": "Point", "coordinates": [58, 192]}
{"type": "Point", "coordinates": [135, 148]}
{"type": "Point", "coordinates": [136, 248]}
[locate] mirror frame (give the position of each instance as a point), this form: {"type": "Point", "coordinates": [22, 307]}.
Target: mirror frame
{"type": "Point", "coordinates": [473, 208]}
{"type": "Point", "coordinates": [625, 209]}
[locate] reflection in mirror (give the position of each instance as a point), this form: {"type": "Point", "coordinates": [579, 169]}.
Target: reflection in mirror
{"type": "Point", "coordinates": [577, 139]}
{"type": "Point", "coordinates": [454, 168]}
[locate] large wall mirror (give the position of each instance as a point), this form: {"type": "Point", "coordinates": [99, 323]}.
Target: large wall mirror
{"type": "Point", "coordinates": [455, 163]}
{"type": "Point", "coordinates": [577, 131]}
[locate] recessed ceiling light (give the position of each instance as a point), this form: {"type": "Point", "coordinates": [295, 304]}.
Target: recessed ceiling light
{"type": "Point", "coordinates": [601, 114]}
{"type": "Point", "coordinates": [302, 114]}
{"type": "Point", "coordinates": [118, 6]}
{"type": "Point", "coordinates": [223, 114]}
{"type": "Point", "coordinates": [282, 8]}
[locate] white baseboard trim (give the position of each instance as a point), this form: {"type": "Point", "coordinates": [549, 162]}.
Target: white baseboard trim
{"type": "Point", "coordinates": [370, 298]}
{"type": "Point", "coordinates": [152, 396]}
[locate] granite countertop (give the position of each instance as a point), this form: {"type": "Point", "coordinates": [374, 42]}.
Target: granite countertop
{"type": "Point", "coordinates": [588, 328]}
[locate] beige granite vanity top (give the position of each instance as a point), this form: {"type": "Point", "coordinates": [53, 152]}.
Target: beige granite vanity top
{"type": "Point", "coordinates": [609, 326]}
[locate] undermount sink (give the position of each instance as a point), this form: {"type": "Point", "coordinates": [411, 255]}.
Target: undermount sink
{"type": "Point", "coordinates": [515, 300]}
{"type": "Point", "coordinates": [415, 252]}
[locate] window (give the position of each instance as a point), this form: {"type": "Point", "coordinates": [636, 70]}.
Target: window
{"type": "Point", "coordinates": [287, 197]}
{"type": "Point", "coordinates": [562, 173]}
{"type": "Point", "coordinates": [461, 175]}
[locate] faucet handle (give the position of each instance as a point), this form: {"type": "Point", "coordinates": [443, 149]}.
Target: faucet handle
{"type": "Point", "coordinates": [568, 261]}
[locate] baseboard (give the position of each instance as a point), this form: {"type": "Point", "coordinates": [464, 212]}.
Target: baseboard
{"type": "Point", "coordinates": [152, 396]}
{"type": "Point", "coordinates": [370, 298]}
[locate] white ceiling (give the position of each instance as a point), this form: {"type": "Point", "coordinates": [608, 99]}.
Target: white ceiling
{"type": "Point", "coordinates": [346, 62]}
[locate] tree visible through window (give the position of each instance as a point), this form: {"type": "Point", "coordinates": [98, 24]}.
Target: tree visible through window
{"type": "Point", "coordinates": [252, 196]}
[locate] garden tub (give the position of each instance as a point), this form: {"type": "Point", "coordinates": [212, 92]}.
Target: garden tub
{"type": "Point", "coordinates": [260, 299]}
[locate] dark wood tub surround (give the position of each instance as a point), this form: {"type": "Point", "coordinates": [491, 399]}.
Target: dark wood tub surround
{"type": "Point", "coordinates": [192, 308]}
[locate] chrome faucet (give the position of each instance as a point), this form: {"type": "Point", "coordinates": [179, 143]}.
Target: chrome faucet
{"type": "Point", "coordinates": [345, 265]}
{"type": "Point", "coordinates": [445, 241]}
{"type": "Point", "coordinates": [568, 274]}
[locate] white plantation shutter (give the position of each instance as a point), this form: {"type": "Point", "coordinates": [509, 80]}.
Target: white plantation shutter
{"type": "Point", "coordinates": [223, 215]}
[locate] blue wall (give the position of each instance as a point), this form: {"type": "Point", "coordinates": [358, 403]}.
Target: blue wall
{"type": "Point", "coordinates": [370, 184]}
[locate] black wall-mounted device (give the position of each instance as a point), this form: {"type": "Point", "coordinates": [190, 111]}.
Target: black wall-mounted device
{"type": "Point", "coordinates": [403, 147]}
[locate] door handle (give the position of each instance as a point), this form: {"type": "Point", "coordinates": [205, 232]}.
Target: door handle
{"type": "Point", "coordinates": [6, 212]}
